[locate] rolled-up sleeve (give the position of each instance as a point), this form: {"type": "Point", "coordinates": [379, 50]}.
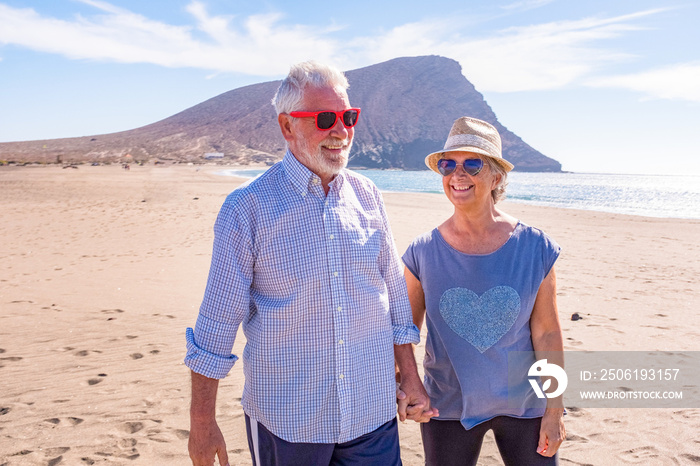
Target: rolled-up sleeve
{"type": "Point", "coordinates": [404, 330]}
{"type": "Point", "coordinates": [227, 296]}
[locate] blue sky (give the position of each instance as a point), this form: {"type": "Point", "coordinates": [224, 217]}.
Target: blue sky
{"type": "Point", "coordinates": [601, 85]}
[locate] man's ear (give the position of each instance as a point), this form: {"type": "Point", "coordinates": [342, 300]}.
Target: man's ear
{"type": "Point", "coordinates": [285, 122]}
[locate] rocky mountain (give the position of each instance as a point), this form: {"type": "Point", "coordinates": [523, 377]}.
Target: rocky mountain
{"type": "Point", "coordinates": [408, 106]}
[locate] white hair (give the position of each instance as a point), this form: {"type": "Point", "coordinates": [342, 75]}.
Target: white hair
{"type": "Point", "coordinates": [309, 73]}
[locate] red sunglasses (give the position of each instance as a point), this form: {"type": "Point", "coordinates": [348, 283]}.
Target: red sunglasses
{"type": "Point", "coordinates": [326, 119]}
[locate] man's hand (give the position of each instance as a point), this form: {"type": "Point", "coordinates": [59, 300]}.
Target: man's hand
{"type": "Point", "coordinates": [206, 443]}
{"type": "Point", "coordinates": [413, 402]}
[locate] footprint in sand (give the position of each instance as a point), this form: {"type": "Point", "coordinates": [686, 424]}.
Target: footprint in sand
{"type": "Point", "coordinates": [133, 427]}
{"type": "Point", "coordinates": [575, 412]}
{"type": "Point", "coordinates": [136, 356]}
{"type": "Point", "coordinates": [687, 413]}
{"type": "Point", "coordinates": [125, 448]}
{"type": "Point", "coordinates": [4, 411]}
{"type": "Point", "coordinates": [692, 458]}
{"type": "Point", "coordinates": [573, 342]}
{"type": "Point", "coordinates": [55, 461]}
{"type": "Point", "coordinates": [12, 359]}
{"type": "Point", "coordinates": [639, 453]}
{"type": "Point", "coordinates": [575, 463]}
{"type": "Point", "coordinates": [129, 444]}
{"type": "Point", "coordinates": [56, 451]}
{"type": "Point", "coordinates": [93, 381]}
{"type": "Point", "coordinates": [575, 438]}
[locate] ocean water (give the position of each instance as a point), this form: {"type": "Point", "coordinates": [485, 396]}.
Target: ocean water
{"type": "Point", "coordinates": [666, 196]}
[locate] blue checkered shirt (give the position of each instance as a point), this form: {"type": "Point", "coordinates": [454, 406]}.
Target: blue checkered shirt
{"type": "Point", "coordinates": [316, 282]}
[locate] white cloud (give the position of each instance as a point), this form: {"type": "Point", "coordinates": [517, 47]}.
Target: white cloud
{"type": "Point", "coordinates": [677, 82]}
{"type": "Point", "coordinates": [544, 56]}
{"type": "Point", "coordinates": [126, 37]}
{"type": "Point", "coordinates": [104, 6]}
{"type": "Point", "coordinates": [526, 4]}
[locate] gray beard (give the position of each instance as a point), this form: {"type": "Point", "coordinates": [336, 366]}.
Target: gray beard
{"type": "Point", "coordinates": [325, 165]}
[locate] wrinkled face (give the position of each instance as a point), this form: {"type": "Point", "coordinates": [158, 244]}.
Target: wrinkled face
{"type": "Point", "coordinates": [464, 189]}
{"type": "Point", "coordinates": [323, 152]}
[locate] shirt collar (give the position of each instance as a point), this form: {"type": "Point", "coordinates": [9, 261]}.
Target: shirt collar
{"type": "Point", "coordinates": [302, 178]}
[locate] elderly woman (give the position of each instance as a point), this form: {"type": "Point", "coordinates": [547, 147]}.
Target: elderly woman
{"type": "Point", "coordinates": [485, 284]}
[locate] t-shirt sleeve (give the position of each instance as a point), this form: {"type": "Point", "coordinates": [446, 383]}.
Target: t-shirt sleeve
{"type": "Point", "coordinates": [410, 260]}
{"type": "Point", "coordinates": [550, 253]}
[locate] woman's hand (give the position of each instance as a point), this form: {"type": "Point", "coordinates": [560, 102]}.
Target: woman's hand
{"type": "Point", "coordinates": [548, 343]}
{"type": "Point", "coordinates": [552, 432]}
{"type": "Point", "coordinates": [415, 408]}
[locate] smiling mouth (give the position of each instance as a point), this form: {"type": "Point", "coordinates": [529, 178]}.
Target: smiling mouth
{"type": "Point", "coordinates": [336, 144]}
{"type": "Point", "coordinates": [462, 189]}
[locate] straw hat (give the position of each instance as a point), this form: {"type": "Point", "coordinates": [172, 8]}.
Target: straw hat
{"type": "Point", "coordinates": [471, 135]}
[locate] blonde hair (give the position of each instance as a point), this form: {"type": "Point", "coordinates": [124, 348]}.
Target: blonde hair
{"type": "Point", "coordinates": [499, 192]}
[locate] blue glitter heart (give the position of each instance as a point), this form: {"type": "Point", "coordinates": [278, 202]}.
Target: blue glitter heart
{"type": "Point", "coordinates": [482, 321]}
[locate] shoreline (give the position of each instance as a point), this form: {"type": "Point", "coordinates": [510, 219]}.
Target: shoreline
{"type": "Point", "coordinates": [102, 269]}
{"type": "Point", "coordinates": [642, 204]}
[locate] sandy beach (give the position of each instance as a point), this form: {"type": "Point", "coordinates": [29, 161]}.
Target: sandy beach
{"type": "Point", "coordinates": [102, 269]}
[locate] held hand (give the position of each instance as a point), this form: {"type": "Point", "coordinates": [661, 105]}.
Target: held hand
{"type": "Point", "coordinates": [414, 403]}
{"type": "Point", "coordinates": [206, 442]}
{"type": "Point", "coordinates": [552, 432]}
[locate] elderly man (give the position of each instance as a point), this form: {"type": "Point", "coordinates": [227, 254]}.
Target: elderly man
{"type": "Point", "coordinates": [305, 260]}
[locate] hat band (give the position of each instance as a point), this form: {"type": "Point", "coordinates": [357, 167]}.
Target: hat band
{"type": "Point", "coordinates": [458, 140]}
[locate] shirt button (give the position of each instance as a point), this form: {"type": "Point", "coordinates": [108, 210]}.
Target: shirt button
{"type": "Point", "coordinates": [341, 376]}
{"type": "Point", "coordinates": [340, 308]}
{"type": "Point", "coordinates": [335, 274]}
{"type": "Point", "coordinates": [341, 342]}
{"type": "Point", "coordinates": [331, 237]}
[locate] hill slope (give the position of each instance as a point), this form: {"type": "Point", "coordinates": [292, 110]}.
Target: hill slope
{"type": "Point", "coordinates": [408, 106]}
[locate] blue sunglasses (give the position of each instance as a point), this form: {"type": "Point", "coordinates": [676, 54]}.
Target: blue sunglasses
{"type": "Point", "coordinates": [471, 166]}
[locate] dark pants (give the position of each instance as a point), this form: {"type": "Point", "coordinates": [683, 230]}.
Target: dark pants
{"type": "Point", "coordinates": [380, 448]}
{"type": "Point", "coordinates": [448, 443]}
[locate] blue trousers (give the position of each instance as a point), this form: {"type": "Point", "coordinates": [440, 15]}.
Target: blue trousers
{"type": "Point", "coordinates": [380, 448]}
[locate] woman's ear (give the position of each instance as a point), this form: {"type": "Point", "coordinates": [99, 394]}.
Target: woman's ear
{"type": "Point", "coordinates": [496, 180]}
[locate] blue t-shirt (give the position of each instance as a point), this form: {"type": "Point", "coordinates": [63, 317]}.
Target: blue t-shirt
{"type": "Point", "coordinates": [478, 309]}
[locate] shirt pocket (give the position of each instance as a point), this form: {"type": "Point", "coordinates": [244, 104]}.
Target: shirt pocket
{"type": "Point", "coordinates": [364, 242]}
{"type": "Point", "coordinates": [288, 258]}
